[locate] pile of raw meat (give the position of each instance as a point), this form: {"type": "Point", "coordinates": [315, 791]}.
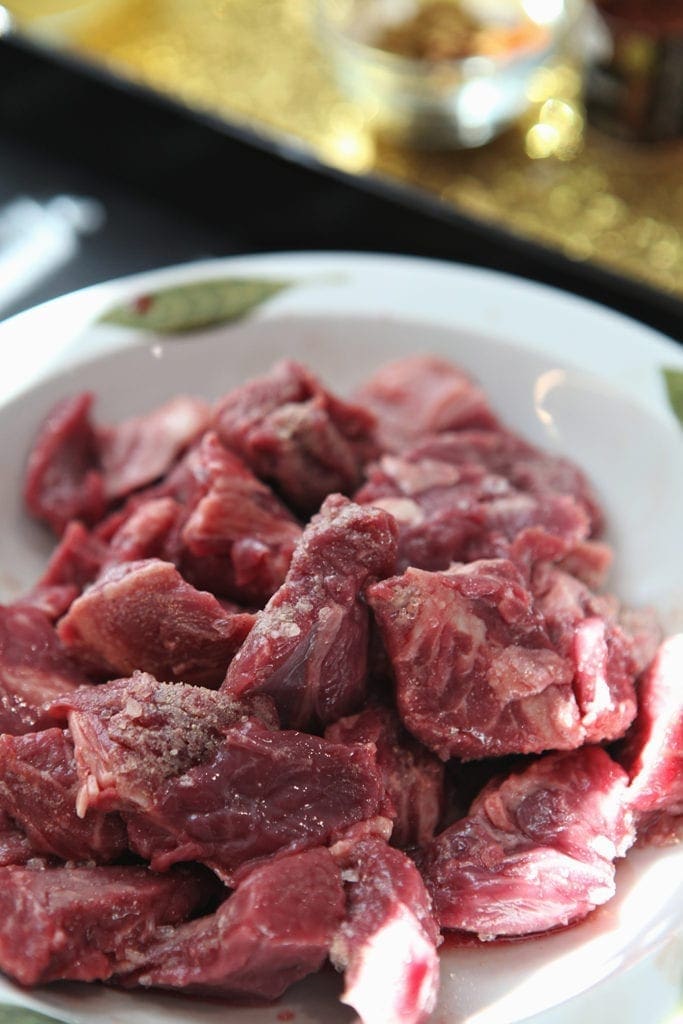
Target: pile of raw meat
{"type": "Point", "coordinates": [310, 680]}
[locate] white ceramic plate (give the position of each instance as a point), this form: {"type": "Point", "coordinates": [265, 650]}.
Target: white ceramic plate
{"type": "Point", "coordinates": [573, 377]}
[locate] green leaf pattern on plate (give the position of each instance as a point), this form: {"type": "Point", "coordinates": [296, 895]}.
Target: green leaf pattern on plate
{"type": "Point", "coordinates": [188, 307]}
{"type": "Point", "coordinates": [21, 1015]}
{"type": "Point", "coordinates": [674, 387]}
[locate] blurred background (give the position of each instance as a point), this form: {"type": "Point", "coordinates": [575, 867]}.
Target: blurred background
{"type": "Point", "coordinates": [538, 137]}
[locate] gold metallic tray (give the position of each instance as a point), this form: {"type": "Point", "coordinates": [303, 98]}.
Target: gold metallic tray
{"type": "Point", "coordinates": [256, 63]}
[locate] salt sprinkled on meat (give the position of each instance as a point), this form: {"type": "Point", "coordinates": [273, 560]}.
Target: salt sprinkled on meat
{"type": "Point", "coordinates": [131, 735]}
{"type": "Point", "coordinates": [263, 794]}
{"type": "Point", "coordinates": [199, 776]}
{"type": "Point", "coordinates": [294, 433]}
{"type": "Point", "coordinates": [309, 647]}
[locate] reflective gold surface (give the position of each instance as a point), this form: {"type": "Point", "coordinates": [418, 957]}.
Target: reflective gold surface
{"type": "Point", "coordinates": [257, 62]}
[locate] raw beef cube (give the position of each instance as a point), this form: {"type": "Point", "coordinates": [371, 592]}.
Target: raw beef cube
{"type": "Point", "coordinates": [15, 847]}
{"type": "Point", "coordinates": [143, 615]}
{"type": "Point", "coordinates": [74, 563]}
{"type": "Point", "coordinates": [438, 508]}
{"type": "Point", "coordinates": [483, 669]}
{"type": "Point", "coordinates": [292, 432]}
{"type": "Point", "coordinates": [509, 518]}
{"type": "Point", "coordinates": [536, 850]}
{"type": "Point", "coordinates": [223, 528]}
{"type": "Point", "coordinates": [200, 777]}
{"type": "Point", "coordinates": [76, 560]}
{"type": "Point", "coordinates": [38, 790]}
{"type": "Point", "coordinates": [387, 943]}
{"type": "Point", "coordinates": [459, 513]}
{"type": "Point", "coordinates": [527, 468]}
{"type": "Point", "coordinates": [309, 647]}
{"type": "Point", "coordinates": [51, 600]}
{"type": "Point", "coordinates": [422, 395]}
{"type": "Point", "coordinates": [63, 479]}
{"type": "Point", "coordinates": [590, 561]}
{"type": "Point", "coordinates": [276, 928]}
{"type": "Point", "coordinates": [87, 923]}
{"type": "Point", "coordinates": [34, 668]}
{"type": "Point", "coordinates": [143, 448]}
{"type": "Point", "coordinates": [413, 777]}
{"type": "Point", "coordinates": [654, 750]}
{"type": "Point", "coordinates": [240, 519]}
{"type": "Point", "coordinates": [144, 533]}
{"type": "Point", "coordinates": [476, 674]}
{"type": "Point", "coordinates": [583, 626]}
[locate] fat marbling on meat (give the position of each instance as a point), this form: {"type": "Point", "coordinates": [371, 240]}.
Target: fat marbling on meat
{"type": "Point", "coordinates": [527, 468]}
{"type": "Point", "coordinates": [477, 673]}
{"type": "Point", "coordinates": [448, 513]}
{"type": "Point", "coordinates": [387, 943]}
{"type": "Point", "coordinates": [536, 850]}
{"type": "Point", "coordinates": [38, 791]}
{"type": "Point", "coordinates": [653, 751]}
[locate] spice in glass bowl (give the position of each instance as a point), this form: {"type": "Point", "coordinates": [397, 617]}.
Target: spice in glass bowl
{"type": "Point", "coordinates": [442, 30]}
{"type": "Point", "coordinates": [442, 73]}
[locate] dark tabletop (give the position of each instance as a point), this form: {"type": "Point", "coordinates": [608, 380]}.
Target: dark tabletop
{"type": "Point", "coordinates": [176, 188]}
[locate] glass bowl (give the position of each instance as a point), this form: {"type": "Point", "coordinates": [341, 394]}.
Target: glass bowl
{"type": "Point", "coordinates": [442, 103]}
